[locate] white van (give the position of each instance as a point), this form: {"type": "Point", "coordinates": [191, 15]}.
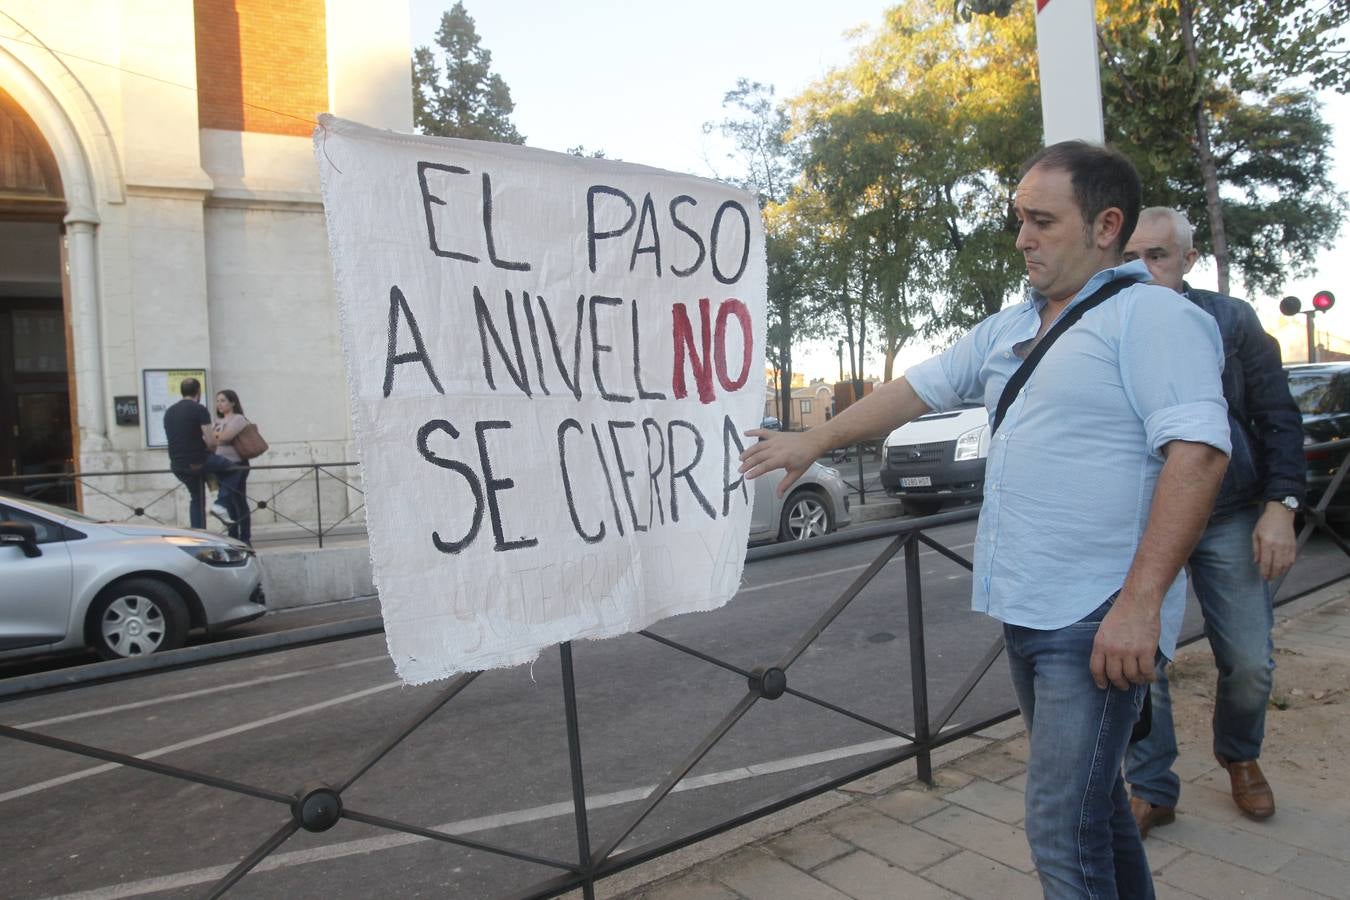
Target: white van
{"type": "Point", "coordinates": [936, 459]}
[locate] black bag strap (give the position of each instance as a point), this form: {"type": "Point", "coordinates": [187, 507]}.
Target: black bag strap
{"type": "Point", "coordinates": [1019, 378]}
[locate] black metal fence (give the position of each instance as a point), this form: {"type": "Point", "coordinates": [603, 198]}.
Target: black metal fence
{"type": "Point", "coordinates": [597, 853]}
{"type": "Point", "coordinates": [290, 495]}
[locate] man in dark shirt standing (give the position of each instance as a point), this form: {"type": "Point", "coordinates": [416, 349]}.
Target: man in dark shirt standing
{"type": "Point", "coordinates": [187, 425]}
{"type": "Point", "coordinates": [1248, 543]}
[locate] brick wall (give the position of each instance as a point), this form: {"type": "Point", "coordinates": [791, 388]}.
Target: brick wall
{"type": "Point", "coordinates": [262, 65]}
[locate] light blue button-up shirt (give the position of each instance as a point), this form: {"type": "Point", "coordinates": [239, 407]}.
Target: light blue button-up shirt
{"type": "Point", "coordinates": [1071, 470]}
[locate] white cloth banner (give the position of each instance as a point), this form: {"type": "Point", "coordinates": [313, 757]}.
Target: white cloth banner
{"type": "Point", "coordinates": [552, 363]}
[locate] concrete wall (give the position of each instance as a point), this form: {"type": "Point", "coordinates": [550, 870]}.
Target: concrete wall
{"type": "Point", "coordinates": [203, 247]}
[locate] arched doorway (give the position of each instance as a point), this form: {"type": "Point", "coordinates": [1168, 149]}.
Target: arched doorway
{"type": "Point", "coordinates": [36, 388]}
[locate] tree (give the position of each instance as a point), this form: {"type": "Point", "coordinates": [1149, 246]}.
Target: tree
{"type": "Point", "coordinates": [757, 127]}
{"type": "Point", "coordinates": [914, 149]}
{"type": "Point", "coordinates": [1213, 101]}
{"type": "Point", "coordinates": [459, 95]}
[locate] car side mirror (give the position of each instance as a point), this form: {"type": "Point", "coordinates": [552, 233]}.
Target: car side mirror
{"type": "Point", "coordinates": [22, 534]}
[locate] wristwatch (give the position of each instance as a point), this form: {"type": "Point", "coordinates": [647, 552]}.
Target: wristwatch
{"type": "Point", "coordinates": [1290, 503]}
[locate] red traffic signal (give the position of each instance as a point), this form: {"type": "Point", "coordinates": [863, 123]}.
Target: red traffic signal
{"type": "Point", "coordinates": [1290, 306]}
{"type": "Point", "coordinates": [1323, 301]}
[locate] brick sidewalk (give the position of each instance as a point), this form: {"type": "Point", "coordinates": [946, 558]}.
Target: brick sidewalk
{"type": "Point", "coordinates": [886, 839]}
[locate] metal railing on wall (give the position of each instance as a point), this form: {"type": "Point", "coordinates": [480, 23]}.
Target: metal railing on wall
{"type": "Point", "coordinates": [317, 807]}
{"type": "Point", "coordinates": [295, 500]}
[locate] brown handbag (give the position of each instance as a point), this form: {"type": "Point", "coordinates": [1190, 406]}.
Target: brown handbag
{"type": "Point", "coordinates": [249, 442]}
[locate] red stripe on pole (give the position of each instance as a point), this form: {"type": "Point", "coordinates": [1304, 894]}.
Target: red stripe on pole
{"type": "Point", "coordinates": [1040, 4]}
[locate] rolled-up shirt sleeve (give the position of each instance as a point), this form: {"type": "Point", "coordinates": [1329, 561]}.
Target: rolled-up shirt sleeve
{"type": "Point", "coordinates": [1171, 365]}
{"type": "Point", "coordinates": [952, 378]}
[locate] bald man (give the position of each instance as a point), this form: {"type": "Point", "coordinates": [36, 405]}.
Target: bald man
{"type": "Point", "coordinates": [1248, 542]}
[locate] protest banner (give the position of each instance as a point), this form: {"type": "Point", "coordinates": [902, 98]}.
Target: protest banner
{"type": "Point", "coordinates": [552, 362]}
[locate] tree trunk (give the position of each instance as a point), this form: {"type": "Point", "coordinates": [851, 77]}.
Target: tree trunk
{"type": "Point", "coordinates": [785, 388]}
{"type": "Point", "coordinates": [1208, 171]}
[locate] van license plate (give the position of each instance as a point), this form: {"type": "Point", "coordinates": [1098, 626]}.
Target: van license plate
{"type": "Point", "coordinates": [917, 481]}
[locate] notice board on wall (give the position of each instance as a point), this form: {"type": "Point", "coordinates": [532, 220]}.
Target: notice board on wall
{"type": "Point", "coordinates": [552, 363]}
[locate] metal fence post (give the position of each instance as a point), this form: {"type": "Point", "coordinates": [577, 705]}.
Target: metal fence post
{"type": "Point", "coordinates": [318, 506]}
{"type": "Point", "coordinates": [918, 663]}
{"type": "Point", "coordinates": [578, 785]}
{"type": "Point", "coordinates": [862, 488]}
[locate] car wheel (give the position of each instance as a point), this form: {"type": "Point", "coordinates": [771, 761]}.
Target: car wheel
{"type": "Point", "coordinates": [137, 617]}
{"type": "Point", "coordinates": [920, 507]}
{"type": "Point", "coordinates": [806, 514]}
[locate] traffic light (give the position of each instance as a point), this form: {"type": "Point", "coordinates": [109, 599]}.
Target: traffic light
{"type": "Point", "coordinates": [1290, 306]}
{"type": "Point", "coordinates": [1323, 301]}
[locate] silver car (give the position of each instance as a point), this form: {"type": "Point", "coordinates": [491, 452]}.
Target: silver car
{"type": "Point", "coordinates": [69, 581]}
{"type": "Point", "coordinates": [816, 505]}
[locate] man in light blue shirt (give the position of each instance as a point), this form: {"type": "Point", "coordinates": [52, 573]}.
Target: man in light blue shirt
{"type": "Point", "coordinates": [1099, 481]}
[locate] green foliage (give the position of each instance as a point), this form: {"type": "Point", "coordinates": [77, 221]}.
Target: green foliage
{"type": "Point", "coordinates": [914, 152]}
{"type": "Point", "coordinates": [1256, 64]}
{"type": "Point", "coordinates": [764, 159]}
{"type": "Point", "coordinates": [458, 95]}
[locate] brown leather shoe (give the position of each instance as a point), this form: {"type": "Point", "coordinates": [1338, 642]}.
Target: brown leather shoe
{"type": "Point", "coordinates": [1147, 815]}
{"type": "Point", "coordinates": [1251, 791]}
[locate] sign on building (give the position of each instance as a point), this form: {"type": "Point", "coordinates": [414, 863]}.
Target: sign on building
{"type": "Point", "coordinates": [552, 362]}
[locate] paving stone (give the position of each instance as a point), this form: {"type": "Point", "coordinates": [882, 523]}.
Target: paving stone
{"type": "Point", "coordinates": [1018, 782]}
{"type": "Point", "coordinates": [1316, 872]}
{"type": "Point", "coordinates": [907, 805]}
{"type": "Point", "coordinates": [866, 877]}
{"type": "Point", "coordinates": [885, 780]}
{"type": "Point", "coordinates": [973, 875]}
{"type": "Point", "coordinates": [994, 800]}
{"type": "Point", "coordinates": [992, 763]}
{"type": "Point", "coordinates": [1162, 854]}
{"type": "Point", "coordinates": [1215, 879]}
{"type": "Point", "coordinates": [949, 779]}
{"type": "Point", "coordinates": [758, 875]}
{"type": "Point", "coordinates": [692, 888]}
{"type": "Point", "coordinates": [1195, 763]}
{"type": "Point", "coordinates": [1224, 842]}
{"type": "Point", "coordinates": [1164, 891]}
{"type": "Point", "coordinates": [1310, 818]}
{"type": "Point", "coordinates": [895, 842]}
{"type": "Point", "coordinates": [986, 836]}
{"type": "Point", "coordinates": [807, 847]}
{"type": "Point", "coordinates": [1004, 729]}
{"type": "Point", "coordinates": [1018, 748]}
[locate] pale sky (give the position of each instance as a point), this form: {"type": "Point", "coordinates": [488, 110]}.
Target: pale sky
{"type": "Point", "coordinates": [638, 82]}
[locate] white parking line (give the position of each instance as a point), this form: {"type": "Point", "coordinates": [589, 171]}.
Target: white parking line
{"type": "Point", "coordinates": [197, 741]}
{"type": "Point", "coordinates": [277, 861]}
{"type": "Point", "coordinates": [188, 695]}
{"type": "Point", "coordinates": [815, 575]}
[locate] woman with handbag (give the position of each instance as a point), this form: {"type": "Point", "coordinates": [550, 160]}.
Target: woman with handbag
{"type": "Point", "coordinates": [231, 505]}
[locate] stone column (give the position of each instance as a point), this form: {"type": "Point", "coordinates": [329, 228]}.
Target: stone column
{"type": "Point", "coordinates": [88, 334]}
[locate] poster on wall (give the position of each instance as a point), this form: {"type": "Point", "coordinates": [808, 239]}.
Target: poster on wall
{"type": "Point", "coordinates": [552, 363]}
{"type": "Point", "coordinates": [160, 390]}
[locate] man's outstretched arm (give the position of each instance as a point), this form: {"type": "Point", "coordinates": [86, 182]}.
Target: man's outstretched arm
{"type": "Point", "coordinates": [885, 409]}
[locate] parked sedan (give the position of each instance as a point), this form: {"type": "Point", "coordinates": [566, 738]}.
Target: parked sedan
{"type": "Point", "coordinates": [816, 505]}
{"type": "Point", "coordinates": [69, 581]}
{"type": "Point", "coordinates": [1322, 392]}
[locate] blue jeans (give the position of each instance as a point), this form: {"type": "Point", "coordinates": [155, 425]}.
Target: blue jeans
{"type": "Point", "coordinates": [232, 494]}
{"type": "Point", "coordinates": [195, 481]}
{"type": "Point", "coordinates": [1083, 838]}
{"type": "Point", "coordinates": [1236, 604]}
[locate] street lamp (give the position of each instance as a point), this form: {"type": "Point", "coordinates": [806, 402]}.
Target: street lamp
{"type": "Point", "coordinates": [1322, 301]}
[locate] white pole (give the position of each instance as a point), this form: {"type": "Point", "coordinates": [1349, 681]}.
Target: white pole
{"type": "Point", "coordinates": [1071, 90]}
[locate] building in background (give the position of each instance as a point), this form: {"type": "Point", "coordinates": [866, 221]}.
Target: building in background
{"type": "Point", "coordinates": [160, 214]}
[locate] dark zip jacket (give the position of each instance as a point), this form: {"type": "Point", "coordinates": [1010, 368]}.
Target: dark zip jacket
{"type": "Point", "coordinates": [1267, 461]}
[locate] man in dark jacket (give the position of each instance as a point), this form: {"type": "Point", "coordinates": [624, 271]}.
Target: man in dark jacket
{"type": "Point", "coordinates": [1248, 543]}
{"type": "Point", "coordinates": [187, 425]}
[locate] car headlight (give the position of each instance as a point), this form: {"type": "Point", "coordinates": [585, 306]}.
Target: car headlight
{"type": "Point", "coordinates": [211, 552]}
{"type": "Point", "coordinates": [968, 444]}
